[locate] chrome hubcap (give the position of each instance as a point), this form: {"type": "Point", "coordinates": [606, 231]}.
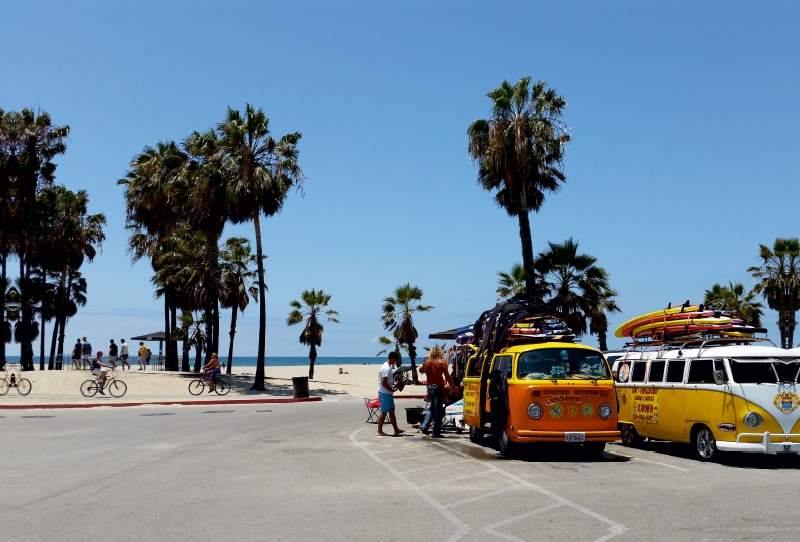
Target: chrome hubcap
{"type": "Point", "coordinates": [504, 441]}
{"type": "Point", "coordinates": [705, 443]}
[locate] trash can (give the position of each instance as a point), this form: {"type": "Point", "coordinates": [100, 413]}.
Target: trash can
{"type": "Point", "coordinates": [415, 415]}
{"type": "Point", "coordinates": [299, 386]}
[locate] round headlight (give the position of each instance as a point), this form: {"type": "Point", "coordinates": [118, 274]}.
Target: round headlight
{"type": "Point", "coordinates": [535, 411]}
{"type": "Point", "coordinates": [605, 411]}
{"type": "Point", "coordinates": [753, 420]}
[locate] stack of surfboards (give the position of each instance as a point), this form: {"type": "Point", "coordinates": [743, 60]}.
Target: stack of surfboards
{"type": "Point", "coordinates": [551, 329]}
{"type": "Point", "coordinates": [682, 320]}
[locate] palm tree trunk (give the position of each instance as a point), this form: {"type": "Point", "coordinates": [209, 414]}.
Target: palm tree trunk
{"type": "Point", "coordinates": [601, 340]}
{"type": "Point", "coordinates": [312, 357]}
{"type": "Point", "coordinates": [167, 328]}
{"type": "Point", "coordinates": [41, 344]}
{"type": "Point", "coordinates": [61, 302]}
{"type": "Point", "coordinates": [215, 347]}
{"type": "Point", "coordinates": [172, 344]}
{"type": "Point", "coordinates": [258, 383]}
{"type": "Point", "coordinates": [527, 245]}
{"type": "Point", "coordinates": [4, 283]}
{"type": "Point", "coordinates": [198, 353]}
{"type": "Point", "coordinates": [67, 291]}
{"type": "Point", "coordinates": [232, 334]}
{"type": "Point", "coordinates": [56, 325]}
{"type": "Point", "coordinates": [412, 355]}
{"type": "Point", "coordinates": [790, 325]}
{"type": "Point", "coordinates": [26, 343]}
{"type": "Point", "coordinates": [209, 332]}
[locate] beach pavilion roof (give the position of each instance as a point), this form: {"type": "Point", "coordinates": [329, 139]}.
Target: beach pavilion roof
{"type": "Point", "coordinates": [156, 336]}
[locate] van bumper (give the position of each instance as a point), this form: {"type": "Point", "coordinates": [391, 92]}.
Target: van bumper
{"type": "Point", "coordinates": [766, 446]}
{"type": "Point", "coordinates": [558, 436]}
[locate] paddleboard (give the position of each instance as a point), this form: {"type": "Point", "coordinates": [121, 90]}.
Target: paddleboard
{"type": "Point", "coordinates": [681, 323]}
{"type": "Point", "coordinates": [664, 312]}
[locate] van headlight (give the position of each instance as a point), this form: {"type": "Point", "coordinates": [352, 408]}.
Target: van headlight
{"type": "Point", "coordinates": [605, 411]}
{"type": "Point", "coordinates": [535, 411]}
{"type": "Point", "coordinates": [753, 420]}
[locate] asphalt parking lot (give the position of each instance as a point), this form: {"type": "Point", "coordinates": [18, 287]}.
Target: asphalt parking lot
{"type": "Point", "coordinates": [316, 471]}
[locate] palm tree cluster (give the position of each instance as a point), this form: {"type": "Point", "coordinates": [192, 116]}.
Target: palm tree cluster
{"type": "Point", "coordinates": [733, 298]}
{"type": "Point", "coordinates": [48, 230]}
{"type": "Point", "coordinates": [778, 283]}
{"type": "Point", "coordinates": [519, 151]}
{"type": "Point", "coordinates": [180, 196]}
{"type": "Point", "coordinates": [572, 283]}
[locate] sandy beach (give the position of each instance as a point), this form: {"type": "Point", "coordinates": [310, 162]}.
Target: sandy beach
{"type": "Point", "coordinates": [360, 381]}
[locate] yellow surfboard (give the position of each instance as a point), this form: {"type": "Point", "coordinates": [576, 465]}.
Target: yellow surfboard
{"type": "Point", "coordinates": [663, 312]}
{"type": "Point", "coordinates": [685, 322]}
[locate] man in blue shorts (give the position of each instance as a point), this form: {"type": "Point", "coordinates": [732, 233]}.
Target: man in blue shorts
{"type": "Point", "coordinates": [386, 391]}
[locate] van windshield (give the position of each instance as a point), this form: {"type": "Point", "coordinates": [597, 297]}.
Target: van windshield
{"type": "Point", "coordinates": [562, 363]}
{"type": "Point", "coordinates": [764, 371]}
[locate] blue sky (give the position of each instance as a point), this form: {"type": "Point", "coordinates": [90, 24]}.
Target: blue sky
{"type": "Point", "coordinates": [684, 154]}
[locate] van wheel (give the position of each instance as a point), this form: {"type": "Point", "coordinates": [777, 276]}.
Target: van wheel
{"type": "Point", "coordinates": [705, 444]}
{"type": "Point", "coordinates": [629, 435]}
{"type": "Point", "coordinates": [507, 446]}
{"type": "Point", "coordinates": [475, 435]}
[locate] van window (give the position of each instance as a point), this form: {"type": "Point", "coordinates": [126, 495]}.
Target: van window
{"type": "Point", "coordinates": [719, 365]}
{"type": "Point", "coordinates": [701, 371]}
{"type": "Point", "coordinates": [639, 369]}
{"type": "Point", "coordinates": [675, 370]}
{"type": "Point", "coordinates": [656, 370]}
{"type": "Point", "coordinates": [473, 367]}
{"type": "Point", "coordinates": [562, 363]}
{"type": "Point", "coordinates": [502, 363]}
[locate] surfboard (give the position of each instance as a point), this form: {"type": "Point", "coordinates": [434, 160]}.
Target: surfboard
{"type": "Point", "coordinates": [681, 323]}
{"type": "Point", "coordinates": [664, 312]}
{"type": "Point", "coordinates": [667, 317]}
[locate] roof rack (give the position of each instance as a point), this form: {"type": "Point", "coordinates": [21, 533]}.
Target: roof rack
{"type": "Point", "coordinates": [680, 344]}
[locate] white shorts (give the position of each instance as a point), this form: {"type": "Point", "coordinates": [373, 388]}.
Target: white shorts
{"type": "Point", "coordinates": [97, 372]}
{"type": "Point", "coordinates": [112, 359]}
{"type": "Point", "coordinates": [86, 357]}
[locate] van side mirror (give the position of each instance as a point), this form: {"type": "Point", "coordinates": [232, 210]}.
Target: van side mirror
{"type": "Point", "coordinates": [615, 375]}
{"type": "Point", "coordinates": [719, 378]}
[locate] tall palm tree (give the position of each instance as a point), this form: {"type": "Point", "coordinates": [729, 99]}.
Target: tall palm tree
{"type": "Point", "coordinates": [311, 310]}
{"type": "Point", "coordinates": [575, 285]}
{"type": "Point", "coordinates": [237, 279]}
{"type": "Point", "coordinates": [519, 151]}
{"type": "Point", "coordinates": [261, 171]}
{"type": "Point", "coordinates": [598, 315]}
{"type": "Point", "coordinates": [397, 311]}
{"type": "Point", "coordinates": [734, 299]}
{"type": "Point", "coordinates": [779, 283]}
{"type": "Point", "coordinates": [511, 284]}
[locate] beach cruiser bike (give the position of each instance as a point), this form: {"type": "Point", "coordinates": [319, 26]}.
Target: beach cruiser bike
{"type": "Point", "coordinates": [116, 388]}
{"type": "Point", "coordinates": [221, 387]}
{"type": "Point", "coordinates": [12, 379]}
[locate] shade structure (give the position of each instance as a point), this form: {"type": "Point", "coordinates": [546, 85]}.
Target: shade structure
{"type": "Point", "coordinates": [157, 336]}
{"type": "Point", "coordinates": [446, 335]}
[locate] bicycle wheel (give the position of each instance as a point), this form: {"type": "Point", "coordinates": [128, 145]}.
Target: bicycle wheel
{"type": "Point", "coordinates": [222, 387]}
{"type": "Point", "coordinates": [24, 386]}
{"type": "Point", "coordinates": [117, 388]}
{"type": "Point", "coordinates": [196, 387]}
{"type": "Point", "coordinates": [89, 388]}
{"type": "Point", "coordinates": [4, 386]}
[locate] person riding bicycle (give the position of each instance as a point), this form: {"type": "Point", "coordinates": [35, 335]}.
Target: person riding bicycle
{"type": "Point", "coordinates": [213, 369]}
{"type": "Point", "coordinates": [97, 370]}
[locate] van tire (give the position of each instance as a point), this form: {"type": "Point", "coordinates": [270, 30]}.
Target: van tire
{"type": "Point", "coordinates": [705, 445]}
{"type": "Point", "coordinates": [476, 435]}
{"type": "Point", "coordinates": [629, 435]}
{"type": "Point", "coordinates": [507, 447]}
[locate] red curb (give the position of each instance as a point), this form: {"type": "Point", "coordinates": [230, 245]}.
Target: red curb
{"type": "Point", "coordinates": [162, 403]}
{"type": "Point", "coordinates": [410, 396]}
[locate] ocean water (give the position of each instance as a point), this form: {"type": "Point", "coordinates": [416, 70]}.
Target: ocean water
{"type": "Point", "coordinates": [250, 361]}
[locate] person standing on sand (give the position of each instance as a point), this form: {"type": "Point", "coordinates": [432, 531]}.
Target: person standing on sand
{"type": "Point", "coordinates": [123, 355]}
{"type": "Point", "coordinates": [77, 351]}
{"type": "Point", "coordinates": [112, 354]}
{"type": "Point", "coordinates": [386, 391]}
{"type": "Point", "coordinates": [435, 369]}
{"type": "Point", "coordinates": [86, 353]}
{"type": "Point", "coordinates": [141, 360]}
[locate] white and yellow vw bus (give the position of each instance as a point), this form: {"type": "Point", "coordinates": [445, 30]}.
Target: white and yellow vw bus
{"type": "Point", "coordinates": [719, 395]}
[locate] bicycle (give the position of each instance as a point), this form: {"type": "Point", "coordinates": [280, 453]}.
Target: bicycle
{"type": "Point", "coordinates": [12, 379]}
{"type": "Point", "coordinates": [116, 388]}
{"type": "Point", "coordinates": [221, 386]}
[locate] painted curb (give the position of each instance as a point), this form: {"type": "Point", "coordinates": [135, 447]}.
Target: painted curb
{"type": "Point", "coordinates": [163, 403]}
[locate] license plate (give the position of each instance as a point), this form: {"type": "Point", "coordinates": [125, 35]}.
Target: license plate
{"type": "Point", "coordinates": [573, 436]}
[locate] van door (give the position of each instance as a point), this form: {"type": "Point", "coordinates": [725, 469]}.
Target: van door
{"type": "Point", "coordinates": [705, 400]}
{"type": "Point", "coordinates": [654, 387]}
{"type": "Point", "coordinates": [671, 419]}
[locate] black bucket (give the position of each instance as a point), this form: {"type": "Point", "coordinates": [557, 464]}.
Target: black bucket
{"type": "Point", "coordinates": [415, 415]}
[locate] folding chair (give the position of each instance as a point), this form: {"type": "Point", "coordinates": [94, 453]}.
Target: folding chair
{"type": "Point", "coordinates": [373, 407]}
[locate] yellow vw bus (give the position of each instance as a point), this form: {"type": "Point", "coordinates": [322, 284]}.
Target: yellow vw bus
{"type": "Point", "coordinates": [718, 395]}
{"type": "Point", "coordinates": [554, 392]}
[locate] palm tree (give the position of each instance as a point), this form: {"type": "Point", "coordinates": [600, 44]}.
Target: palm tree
{"type": "Point", "coordinates": [734, 299]}
{"type": "Point", "coordinates": [261, 171]}
{"type": "Point", "coordinates": [311, 309]}
{"type": "Point", "coordinates": [598, 316]}
{"type": "Point", "coordinates": [511, 284]}
{"type": "Point", "coordinates": [779, 283]}
{"type": "Point", "coordinates": [391, 344]}
{"type": "Point", "coordinates": [237, 279]}
{"type": "Point", "coordinates": [577, 288]}
{"type": "Point", "coordinates": [519, 151]}
{"type": "Point", "coordinates": [397, 311]}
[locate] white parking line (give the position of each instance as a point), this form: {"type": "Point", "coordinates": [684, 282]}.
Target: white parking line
{"type": "Point", "coordinates": [448, 480]}
{"type": "Point", "coordinates": [479, 497]}
{"type": "Point", "coordinates": [490, 529]}
{"type": "Point", "coordinates": [439, 465]}
{"type": "Point", "coordinates": [649, 461]}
